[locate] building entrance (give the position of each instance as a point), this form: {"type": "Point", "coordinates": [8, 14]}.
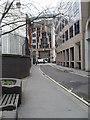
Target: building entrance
{"type": "Point", "coordinates": [44, 54]}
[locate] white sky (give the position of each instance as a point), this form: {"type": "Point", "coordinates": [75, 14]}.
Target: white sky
{"type": "Point", "coordinates": [40, 5]}
{"type": "Point", "coordinates": [34, 7]}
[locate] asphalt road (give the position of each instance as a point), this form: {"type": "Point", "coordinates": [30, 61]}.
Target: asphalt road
{"type": "Point", "coordinates": [42, 98]}
{"type": "Point", "coordinates": [76, 83]}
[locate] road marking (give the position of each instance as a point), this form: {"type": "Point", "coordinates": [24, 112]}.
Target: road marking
{"type": "Point", "coordinates": [81, 99]}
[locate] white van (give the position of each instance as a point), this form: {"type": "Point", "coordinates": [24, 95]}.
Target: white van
{"type": "Point", "coordinates": [40, 60]}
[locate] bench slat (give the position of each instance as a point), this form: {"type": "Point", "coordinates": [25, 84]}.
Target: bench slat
{"type": "Point", "coordinates": [2, 99]}
{"type": "Point", "coordinates": [12, 101]}
{"type": "Point", "coordinates": [9, 99]}
{"type": "Point", "coordinates": [5, 100]}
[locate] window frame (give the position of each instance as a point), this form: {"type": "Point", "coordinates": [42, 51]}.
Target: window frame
{"type": "Point", "coordinates": [77, 27]}
{"type": "Point", "coordinates": [71, 31]}
{"type": "Point", "coordinates": [66, 35]}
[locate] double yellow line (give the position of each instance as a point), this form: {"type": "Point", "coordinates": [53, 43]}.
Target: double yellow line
{"type": "Point", "coordinates": [81, 99]}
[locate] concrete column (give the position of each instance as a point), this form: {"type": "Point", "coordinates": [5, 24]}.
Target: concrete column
{"type": "Point", "coordinates": [87, 46]}
{"type": "Point", "coordinates": [76, 55]}
{"type": "Point", "coordinates": [61, 57]}
{"type": "Point", "coordinates": [53, 41]}
{"type": "Point", "coordinates": [82, 54]}
{"type": "Point", "coordinates": [87, 56]}
{"type": "Point", "coordinates": [65, 58]}
{"type": "Point", "coordinates": [51, 56]}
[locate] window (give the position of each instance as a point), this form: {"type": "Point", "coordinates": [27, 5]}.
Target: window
{"type": "Point", "coordinates": [76, 26]}
{"type": "Point", "coordinates": [76, 8]}
{"type": "Point", "coordinates": [34, 35]}
{"type": "Point", "coordinates": [64, 54]}
{"type": "Point", "coordinates": [34, 46]}
{"type": "Point", "coordinates": [72, 53]}
{"type": "Point", "coordinates": [38, 35]}
{"type": "Point", "coordinates": [43, 26]}
{"type": "Point", "coordinates": [34, 40]}
{"type": "Point", "coordinates": [66, 35]}
{"type": "Point", "coordinates": [56, 23]}
{"type": "Point", "coordinates": [71, 31]}
{"type": "Point", "coordinates": [67, 53]}
{"type": "Point", "coordinates": [62, 23]}
{"type": "Point", "coordinates": [44, 41]}
{"type": "Point", "coordinates": [79, 53]}
{"type": "Point", "coordinates": [66, 21]}
{"type": "Point", "coordinates": [60, 27]}
{"type": "Point", "coordinates": [70, 14]}
{"type": "Point", "coordinates": [38, 31]}
{"type": "Point", "coordinates": [63, 38]}
{"type": "Point", "coordinates": [49, 35]}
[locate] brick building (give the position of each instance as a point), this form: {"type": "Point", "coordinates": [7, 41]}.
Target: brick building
{"type": "Point", "coordinates": [42, 41]}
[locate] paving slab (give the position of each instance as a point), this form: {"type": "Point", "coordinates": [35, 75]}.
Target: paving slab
{"type": "Point", "coordinates": [42, 98]}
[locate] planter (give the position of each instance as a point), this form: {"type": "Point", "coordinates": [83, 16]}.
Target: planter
{"type": "Point", "coordinates": [15, 66]}
{"type": "Point", "coordinates": [14, 88]}
{"type": "Point", "coordinates": [8, 82]}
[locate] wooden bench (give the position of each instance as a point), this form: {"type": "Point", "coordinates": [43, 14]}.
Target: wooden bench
{"type": "Point", "coordinates": [9, 99]}
{"type": "Point", "coordinates": [9, 104]}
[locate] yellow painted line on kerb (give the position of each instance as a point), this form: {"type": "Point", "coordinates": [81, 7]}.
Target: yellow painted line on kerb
{"type": "Point", "coordinates": [81, 99]}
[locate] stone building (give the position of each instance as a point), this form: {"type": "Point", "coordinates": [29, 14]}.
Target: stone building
{"type": "Point", "coordinates": [14, 42]}
{"type": "Point", "coordinates": [70, 39]}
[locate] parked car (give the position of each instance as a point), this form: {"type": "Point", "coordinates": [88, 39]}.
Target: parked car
{"type": "Point", "coordinates": [43, 60]}
{"type": "Point", "coordinates": [40, 60]}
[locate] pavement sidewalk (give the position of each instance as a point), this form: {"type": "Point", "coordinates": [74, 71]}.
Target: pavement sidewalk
{"type": "Point", "coordinates": [42, 98]}
{"type": "Point", "coordinates": [71, 70]}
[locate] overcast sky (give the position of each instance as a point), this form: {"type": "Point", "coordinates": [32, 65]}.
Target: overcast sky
{"type": "Point", "coordinates": [39, 5]}
{"type": "Point", "coordinates": [34, 7]}
{"type": "Point", "coordinates": [43, 3]}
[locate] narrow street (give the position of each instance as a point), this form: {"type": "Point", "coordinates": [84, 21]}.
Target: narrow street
{"type": "Point", "coordinates": [42, 98]}
{"type": "Point", "coordinates": [45, 44]}
{"type": "Point", "coordinates": [76, 83]}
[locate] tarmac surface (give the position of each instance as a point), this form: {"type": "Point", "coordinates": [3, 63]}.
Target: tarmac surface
{"type": "Point", "coordinates": [78, 82]}
{"type": "Point", "coordinates": [42, 98]}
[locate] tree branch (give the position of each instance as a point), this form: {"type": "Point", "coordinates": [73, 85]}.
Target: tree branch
{"type": "Point", "coordinates": [12, 23]}
{"type": "Point", "coordinates": [13, 29]}
{"type": "Point", "coordinates": [6, 10]}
